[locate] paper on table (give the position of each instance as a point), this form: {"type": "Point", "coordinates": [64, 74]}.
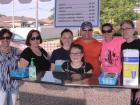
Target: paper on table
{"type": "Point", "coordinates": [48, 77]}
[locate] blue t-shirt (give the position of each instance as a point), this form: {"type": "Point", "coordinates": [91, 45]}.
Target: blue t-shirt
{"type": "Point", "coordinates": [58, 57]}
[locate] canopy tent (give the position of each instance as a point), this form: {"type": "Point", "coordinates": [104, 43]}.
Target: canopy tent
{"type": "Point", "coordinates": [24, 2]}
{"type": "Point", "coordinates": [21, 1]}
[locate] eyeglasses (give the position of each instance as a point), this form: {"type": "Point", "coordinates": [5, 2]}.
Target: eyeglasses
{"type": "Point", "coordinates": [6, 37]}
{"type": "Point", "coordinates": [35, 38]}
{"type": "Point", "coordinates": [106, 31]}
{"type": "Point", "coordinates": [125, 29]}
{"type": "Point", "coordinates": [87, 30]}
{"type": "Point", "coordinates": [76, 54]}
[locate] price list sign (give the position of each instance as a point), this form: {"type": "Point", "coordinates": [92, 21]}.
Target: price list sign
{"type": "Point", "coordinates": [71, 13]}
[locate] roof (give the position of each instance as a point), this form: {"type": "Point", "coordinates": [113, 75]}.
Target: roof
{"type": "Point", "coordinates": [4, 25]}
{"type": "Point", "coordinates": [16, 18]}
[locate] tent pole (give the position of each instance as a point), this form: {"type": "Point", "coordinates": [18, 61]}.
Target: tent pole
{"type": "Point", "coordinates": [13, 17]}
{"type": "Point", "coordinates": [37, 14]}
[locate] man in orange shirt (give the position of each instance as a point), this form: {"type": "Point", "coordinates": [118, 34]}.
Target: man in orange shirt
{"type": "Point", "coordinates": [92, 47]}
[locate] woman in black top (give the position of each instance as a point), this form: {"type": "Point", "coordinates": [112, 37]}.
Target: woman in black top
{"type": "Point", "coordinates": [127, 29]}
{"type": "Point", "coordinates": [34, 51]}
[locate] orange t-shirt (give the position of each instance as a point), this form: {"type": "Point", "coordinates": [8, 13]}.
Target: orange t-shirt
{"type": "Point", "coordinates": [92, 51]}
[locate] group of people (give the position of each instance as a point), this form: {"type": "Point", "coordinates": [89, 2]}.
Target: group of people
{"type": "Point", "coordinates": [83, 55]}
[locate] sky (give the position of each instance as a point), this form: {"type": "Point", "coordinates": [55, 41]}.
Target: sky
{"type": "Point", "coordinates": [28, 10]}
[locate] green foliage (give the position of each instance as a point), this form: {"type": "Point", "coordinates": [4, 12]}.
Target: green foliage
{"type": "Point", "coordinates": [115, 11]}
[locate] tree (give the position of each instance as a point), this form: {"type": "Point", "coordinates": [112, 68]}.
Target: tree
{"type": "Point", "coordinates": [115, 11]}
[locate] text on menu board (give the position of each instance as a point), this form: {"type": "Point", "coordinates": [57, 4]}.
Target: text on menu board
{"type": "Point", "coordinates": [73, 12]}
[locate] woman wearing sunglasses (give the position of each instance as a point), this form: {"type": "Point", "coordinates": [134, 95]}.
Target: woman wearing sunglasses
{"type": "Point", "coordinates": [8, 61]}
{"type": "Point", "coordinates": [33, 50]}
{"type": "Point", "coordinates": [111, 50]}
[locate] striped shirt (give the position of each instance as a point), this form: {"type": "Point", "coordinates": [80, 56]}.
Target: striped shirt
{"type": "Point", "coordinates": [8, 62]}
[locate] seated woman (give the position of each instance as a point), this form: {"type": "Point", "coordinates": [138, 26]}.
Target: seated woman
{"type": "Point", "coordinates": [76, 67]}
{"type": "Point", "coordinates": [60, 55]}
{"type": "Point", "coordinates": [35, 51]}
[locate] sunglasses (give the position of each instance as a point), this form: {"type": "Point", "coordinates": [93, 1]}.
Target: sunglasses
{"type": "Point", "coordinates": [6, 37]}
{"type": "Point", "coordinates": [106, 31]}
{"type": "Point", "coordinates": [35, 38]}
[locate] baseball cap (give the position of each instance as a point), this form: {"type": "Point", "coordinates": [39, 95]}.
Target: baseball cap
{"type": "Point", "coordinates": [86, 24]}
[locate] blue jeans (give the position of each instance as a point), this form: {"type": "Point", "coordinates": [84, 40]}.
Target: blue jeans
{"type": "Point", "coordinates": [8, 97]}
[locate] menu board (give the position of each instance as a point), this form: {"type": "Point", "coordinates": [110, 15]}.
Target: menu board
{"type": "Point", "coordinates": [71, 13]}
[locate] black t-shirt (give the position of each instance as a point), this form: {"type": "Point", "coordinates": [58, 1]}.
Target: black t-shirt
{"type": "Point", "coordinates": [132, 45]}
{"type": "Point", "coordinates": [41, 62]}
{"type": "Point", "coordinates": [59, 54]}
{"type": "Point", "coordinates": [83, 69]}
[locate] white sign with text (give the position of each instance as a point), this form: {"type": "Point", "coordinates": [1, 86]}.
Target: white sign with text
{"type": "Point", "coordinates": [71, 13]}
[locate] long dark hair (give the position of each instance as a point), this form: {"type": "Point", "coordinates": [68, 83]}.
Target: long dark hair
{"type": "Point", "coordinates": [4, 30]}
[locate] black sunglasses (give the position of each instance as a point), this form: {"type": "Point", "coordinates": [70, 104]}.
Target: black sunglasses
{"type": "Point", "coordinates": [5, 37]}
{"type": "Point", "coordinates": [106, 31]}
{"type": "Point", "coordinates": [35, 38]}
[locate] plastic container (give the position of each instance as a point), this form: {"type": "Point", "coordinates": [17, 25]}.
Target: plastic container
{"type": "Point", "coordinates": [108, 79]}
{"type": "Point", "coordinates": [20, 73]}
{"type": "Point", "coordinates": [32, 70]}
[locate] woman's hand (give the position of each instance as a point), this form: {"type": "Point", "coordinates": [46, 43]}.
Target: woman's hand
{"type": "Point", "coordinates": [23, 63]}
{"type": "Point", "coordinates": [137, 97]}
